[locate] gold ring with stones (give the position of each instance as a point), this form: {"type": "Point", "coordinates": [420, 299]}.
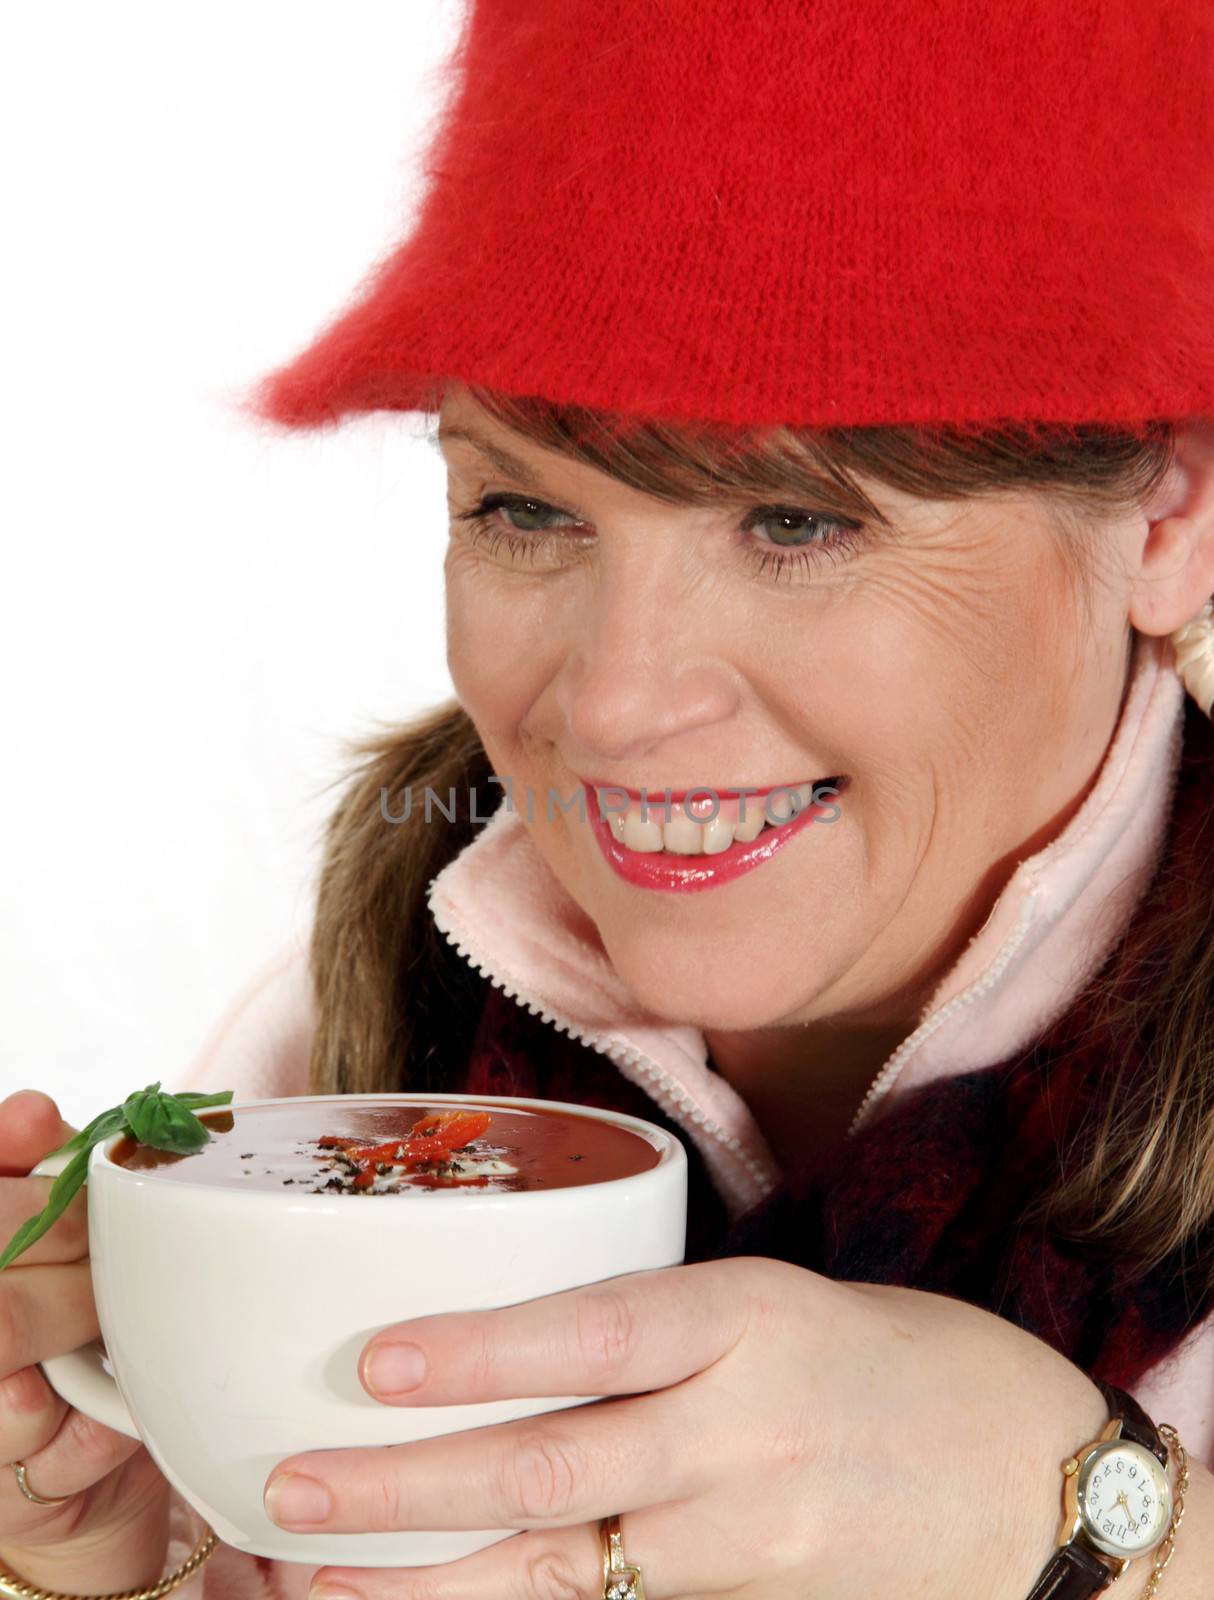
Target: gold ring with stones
{"type": "Point", "coordinates": [621, 1581]}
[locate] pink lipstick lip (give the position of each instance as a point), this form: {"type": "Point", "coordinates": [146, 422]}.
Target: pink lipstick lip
{"type": "Point", "coordinates": [660, 869]}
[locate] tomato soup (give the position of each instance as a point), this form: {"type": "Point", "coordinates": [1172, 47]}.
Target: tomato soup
{"type": "Point", "coordinates": [398, 1147]}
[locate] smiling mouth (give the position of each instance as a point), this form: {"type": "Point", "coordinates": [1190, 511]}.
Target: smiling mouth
{"type": "Point", "coordinates": [652, 827]}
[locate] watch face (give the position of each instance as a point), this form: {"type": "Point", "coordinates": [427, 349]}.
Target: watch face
{"type": "Point", "coordinates": [1125, 1500]}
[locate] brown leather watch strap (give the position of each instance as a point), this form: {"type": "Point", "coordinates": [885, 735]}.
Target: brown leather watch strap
{"type": "Point", "coordinates": [1072, 1574]}
{"type": "Point", "coordinates": [1135, 1424]}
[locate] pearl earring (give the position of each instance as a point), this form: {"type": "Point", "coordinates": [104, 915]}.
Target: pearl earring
{"type": "Point", "coordinates": [1194, 649]}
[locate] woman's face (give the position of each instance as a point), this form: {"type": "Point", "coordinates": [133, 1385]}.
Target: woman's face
{"type": "Point", "coordinates": [947, 669]}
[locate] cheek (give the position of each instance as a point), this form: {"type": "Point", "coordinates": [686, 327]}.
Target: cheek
{"type": "Point", "coordinates": [951, 668]}
{"type": "Point", "coordinates": [501, 650]}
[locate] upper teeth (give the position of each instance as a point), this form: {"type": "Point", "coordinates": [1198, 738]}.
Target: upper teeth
{"type": "Point", "coordinates": [685, 834]}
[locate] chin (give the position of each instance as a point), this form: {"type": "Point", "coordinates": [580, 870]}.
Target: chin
{"type": "Point", "coordinates": [734, 991]}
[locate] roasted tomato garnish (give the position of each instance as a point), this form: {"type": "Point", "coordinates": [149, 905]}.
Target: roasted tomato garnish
{"type": "Point", "coordinates": [430, 1140]}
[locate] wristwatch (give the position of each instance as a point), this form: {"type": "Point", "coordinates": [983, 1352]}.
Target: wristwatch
{"type": "Point", "coordinates": [1117, 1503]}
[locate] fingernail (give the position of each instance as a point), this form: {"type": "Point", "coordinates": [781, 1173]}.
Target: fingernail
{"type": "Point", "coordinates": [326, 1591]}
{"type": "Point", "coordinates": [395, 1368]}
{"type": "Point", "coordinates": [294, 1498]}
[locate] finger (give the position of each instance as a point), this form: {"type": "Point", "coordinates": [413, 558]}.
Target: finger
{"type": "Point", "coordinates": [552, 1470]}
{"type": "Point", "coordinates": [30, 1416]}
{"type": "Point", "coordinates": [45, 1311]}
{"type": "Point", "coordinates": [30, 1128]}
{"type": "Point", "coordinates": [625, 1335]}
{"type": "Point", "coordinates": [67, 1239]}
{"type": "Point", "coordinates": [64, 1451]}
{"type": "Point", "coordinates": [676, 1552]}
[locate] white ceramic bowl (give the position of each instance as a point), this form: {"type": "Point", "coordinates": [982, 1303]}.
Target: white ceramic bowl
{"type": "Point", "coordinates": [232, 1319]}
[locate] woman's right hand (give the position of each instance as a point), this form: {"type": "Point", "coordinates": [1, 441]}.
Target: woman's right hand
{"type": "Point", "coordinates": [117, 1510]}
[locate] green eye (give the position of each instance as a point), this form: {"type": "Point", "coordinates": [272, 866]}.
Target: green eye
{"type": "Point", "coordinates": [514, 505]}
{"type": "Point", "coordinates": [789, 528]}
{"type": "Point", "coordinates": [524, 509]}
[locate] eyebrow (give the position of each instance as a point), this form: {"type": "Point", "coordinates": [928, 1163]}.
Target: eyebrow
{"type": "Point", "coordinates": [513, 466]}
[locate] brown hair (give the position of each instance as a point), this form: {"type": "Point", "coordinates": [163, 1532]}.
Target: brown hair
{"type": "Point", "coordinates": [1137, 1178]}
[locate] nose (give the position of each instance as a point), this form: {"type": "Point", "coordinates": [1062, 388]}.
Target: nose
{"type": "Point", "coordinates": [637, 679]}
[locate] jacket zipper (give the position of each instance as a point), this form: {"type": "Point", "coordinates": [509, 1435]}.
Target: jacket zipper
{"type": "Point", "coordinates": [664, 1091]}
{"type": "Point", "coordinates": [667, 1094]}
{"type": "Point", "coordinates": [888, 1074]}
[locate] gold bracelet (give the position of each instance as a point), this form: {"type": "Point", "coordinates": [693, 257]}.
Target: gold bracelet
{"type": "Point", "coordinates": [1168, 1433]}
{"type": "Point", "coordinates": [14, 1588]}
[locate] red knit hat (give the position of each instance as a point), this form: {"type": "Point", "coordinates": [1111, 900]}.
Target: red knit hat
{"type": "Point", "coordinates": [831, 212]}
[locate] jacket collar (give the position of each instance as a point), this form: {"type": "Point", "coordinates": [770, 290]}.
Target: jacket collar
{"type": "Point", "coordinates": [1050, 929]}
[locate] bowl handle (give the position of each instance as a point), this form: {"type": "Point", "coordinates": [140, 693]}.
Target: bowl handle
{"type": "Point", "coordinates": [82, 1377]}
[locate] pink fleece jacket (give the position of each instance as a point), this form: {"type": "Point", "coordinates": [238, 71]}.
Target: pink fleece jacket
{"type": "Point", "coordinates": [1051, 927]}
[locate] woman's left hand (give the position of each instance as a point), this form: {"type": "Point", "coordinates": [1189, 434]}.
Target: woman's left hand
{"type": "Point", "coordinates": [778, 1434]}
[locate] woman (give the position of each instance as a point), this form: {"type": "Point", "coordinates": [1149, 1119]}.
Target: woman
{"type": "Point", "coordinates": [784, 475]}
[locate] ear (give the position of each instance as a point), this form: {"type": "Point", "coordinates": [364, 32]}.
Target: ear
{"type": "Point", "coordinates": [1174, 575]}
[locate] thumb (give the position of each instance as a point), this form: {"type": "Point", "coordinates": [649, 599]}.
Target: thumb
{"type": "Point", "coordinates": [30, 1128]}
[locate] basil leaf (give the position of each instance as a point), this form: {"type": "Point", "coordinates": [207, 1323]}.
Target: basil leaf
{"type": "Point", "coordinates": [62, 1191]}
{"type": "Point", "coordinates": [164, 1121]}
{"type": "Point", "coordinates": [98, 1130]}
{"type": "Point", "coordinates": [85, 1138]}
{"type": "Point", "coordinates": [192, 1099]}
{"type": "Point", "coordinates": [161, 1121]}
{"type": "Point", "coordinates": [140, 1110]}
{"type": "Point", "coordinates": [177, 1128]}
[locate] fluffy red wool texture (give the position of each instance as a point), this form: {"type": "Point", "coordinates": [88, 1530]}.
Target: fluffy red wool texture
{"type": "Point", "coordinates": [832, 212]}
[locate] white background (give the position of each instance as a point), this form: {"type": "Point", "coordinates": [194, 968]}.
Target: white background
{"type": "Point", "coordinates": [195, 612]}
